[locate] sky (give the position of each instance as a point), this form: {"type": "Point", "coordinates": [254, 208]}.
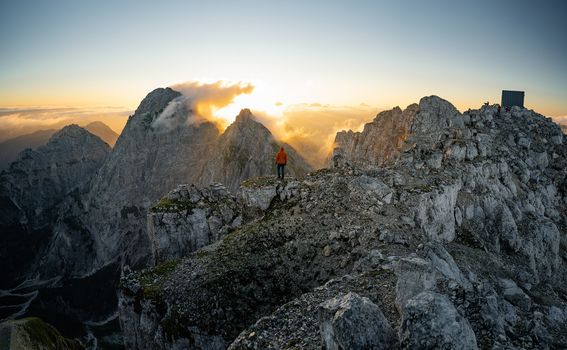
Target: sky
{"type": "Point", "coordinates": [380, 54]}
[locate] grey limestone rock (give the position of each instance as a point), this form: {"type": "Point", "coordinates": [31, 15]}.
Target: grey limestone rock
{"type": "Point", "coordinates": [430, 321]}
{"type": "Point", "coordinates": [354, 322]}
{"type": "Point", "coordinates": [425, 237]}
{"type": "Point", "coordinates": [189, 218]}
{"type": "Point", "coordinates": [40, 179]}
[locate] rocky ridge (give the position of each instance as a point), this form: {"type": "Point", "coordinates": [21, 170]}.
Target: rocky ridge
{"type": "Point", "coordinates": [98, 212]}
{"type": "Point", "coordinates": [33, 189]}
{"type": "Point", "coordinates": [455, 231]}
{"type": "Point", "coordinates": [163, 144]}
{"type": "Point", "coordinates": [41, 178]}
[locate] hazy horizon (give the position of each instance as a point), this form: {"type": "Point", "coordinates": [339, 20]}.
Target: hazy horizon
{"type": "Point", "coordinates": [302, 67]}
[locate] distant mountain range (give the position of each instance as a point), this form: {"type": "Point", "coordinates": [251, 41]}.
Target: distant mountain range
{"type": "Point", "coordinates": [9, 149]}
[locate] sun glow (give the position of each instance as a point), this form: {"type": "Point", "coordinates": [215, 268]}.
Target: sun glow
{"type": "Point", "coordinates": [260, 101]}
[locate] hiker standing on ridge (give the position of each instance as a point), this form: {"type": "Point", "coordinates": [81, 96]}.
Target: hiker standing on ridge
{"type": "Point", "coordinates": [281, 161]}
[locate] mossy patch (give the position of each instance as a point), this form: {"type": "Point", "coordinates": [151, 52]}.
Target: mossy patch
{"type": "Point", "coordinates": [38, 334]}
{"type": "Point", "coordinates": [172, 206]}
{"type": "Point", "coordinates": [261, 181]}
{"type": "Point", "coordinates": [152, 280]}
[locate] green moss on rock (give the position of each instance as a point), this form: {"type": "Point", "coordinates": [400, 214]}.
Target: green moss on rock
{"type": "Point", "coordinates": [152, 280]}
{"type": "Point", "coordinates": [172, 206]}
{"type": "Point", "coordinates": [260, 181]}
{"type": "Point", "coordinates": [33, 333]}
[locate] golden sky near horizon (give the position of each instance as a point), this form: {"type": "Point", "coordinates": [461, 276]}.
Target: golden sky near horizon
{"type": "Point", "coordinates": [356, 57]}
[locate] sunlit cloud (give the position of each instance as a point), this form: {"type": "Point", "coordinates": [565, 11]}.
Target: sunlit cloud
{"type": "Point", "coordinates": [19, 121]}
{"type": "Point", "coordinates": [201, 101]}
{"type": "Point", "coordinates": [310, 128]}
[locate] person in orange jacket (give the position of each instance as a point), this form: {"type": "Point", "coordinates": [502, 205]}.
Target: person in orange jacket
{"type": "Point", "coordinates": [281, 161]}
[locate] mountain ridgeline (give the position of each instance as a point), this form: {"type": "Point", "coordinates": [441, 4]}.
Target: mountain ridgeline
{"type": "Point", "coordinates": [432, 229]}
{"type": "Point", "coordinates": [75, 207]}
{"type": "Point", "coordinates": [10, 149]}
{"type": "Point", "coordinates": [147, 162]}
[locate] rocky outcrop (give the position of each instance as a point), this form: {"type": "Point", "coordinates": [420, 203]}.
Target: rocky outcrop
{"type": "Point", "coordinates": [445, 232]}
{"type": "Point", "coordinates": [430, 321]}
{"type": "Point", "coordinates": [188, 219]}
{"type": "Point", "coordinates": [379, 142]}
{"type": "Point", "coordinates": [33, 333]}
{"type": "Point", "coordinates": [354, 322]}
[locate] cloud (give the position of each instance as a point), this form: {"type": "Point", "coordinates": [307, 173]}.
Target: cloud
{"type": "Point", "coordinates": [311, 128]}
{"type": "Point", "coordinates": [562, 121]}
{"type": "Point", "coordinates": [199, 101]}
{"type": "Point", "coordinates": [19, 121]}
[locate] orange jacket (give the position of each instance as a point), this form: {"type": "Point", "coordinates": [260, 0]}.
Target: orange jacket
{"type": "Point", "coordinates": [281, 157]}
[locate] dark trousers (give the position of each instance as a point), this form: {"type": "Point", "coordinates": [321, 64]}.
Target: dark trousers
{"type": "Point", "coordinates": [281, 170]}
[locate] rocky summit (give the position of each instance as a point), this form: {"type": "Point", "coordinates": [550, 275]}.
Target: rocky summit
{"type": "Point", "coordinates": [431, 229]}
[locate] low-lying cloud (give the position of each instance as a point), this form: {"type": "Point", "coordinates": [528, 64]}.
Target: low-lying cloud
{"type": "Point", "coordinates": [19, 121]}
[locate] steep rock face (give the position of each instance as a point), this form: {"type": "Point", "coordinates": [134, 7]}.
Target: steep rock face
{"type": "Point", "coordinates": [33, 189]}
{"type": "Point", "coordinates": [247, 149]}
{"type": "Point", "coordinates": [463, 212]}
{"type": "Point", "coordinates": [380, 141]}
{"type": "Point", "coordinates": [40, 179]}
{"type": "Point", "coordinates": [148, 160]}
{"type": "Point", "coordinates": [392, 132]}
{"type": "Point", "coordinates": [188, 218]}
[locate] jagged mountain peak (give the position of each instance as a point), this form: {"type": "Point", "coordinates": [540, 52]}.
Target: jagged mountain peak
{"type": "Point", "coordinates": [244, 115]}
{"type": "Point", "coordinates": [157, 100]}
{"type": "Point", "coordinates": [247, 123]}
{"type": "Point", "coordinates": [73, 137]}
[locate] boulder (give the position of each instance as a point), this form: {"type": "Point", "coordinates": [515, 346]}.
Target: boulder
{"type": "Point", "coordinates": [354, 322]}
{"type": "Point", "coordinates": [430, 321]}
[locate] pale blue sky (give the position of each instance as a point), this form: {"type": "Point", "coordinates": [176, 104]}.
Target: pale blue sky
{"type": "Point", "coordinates": [383, 53]}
